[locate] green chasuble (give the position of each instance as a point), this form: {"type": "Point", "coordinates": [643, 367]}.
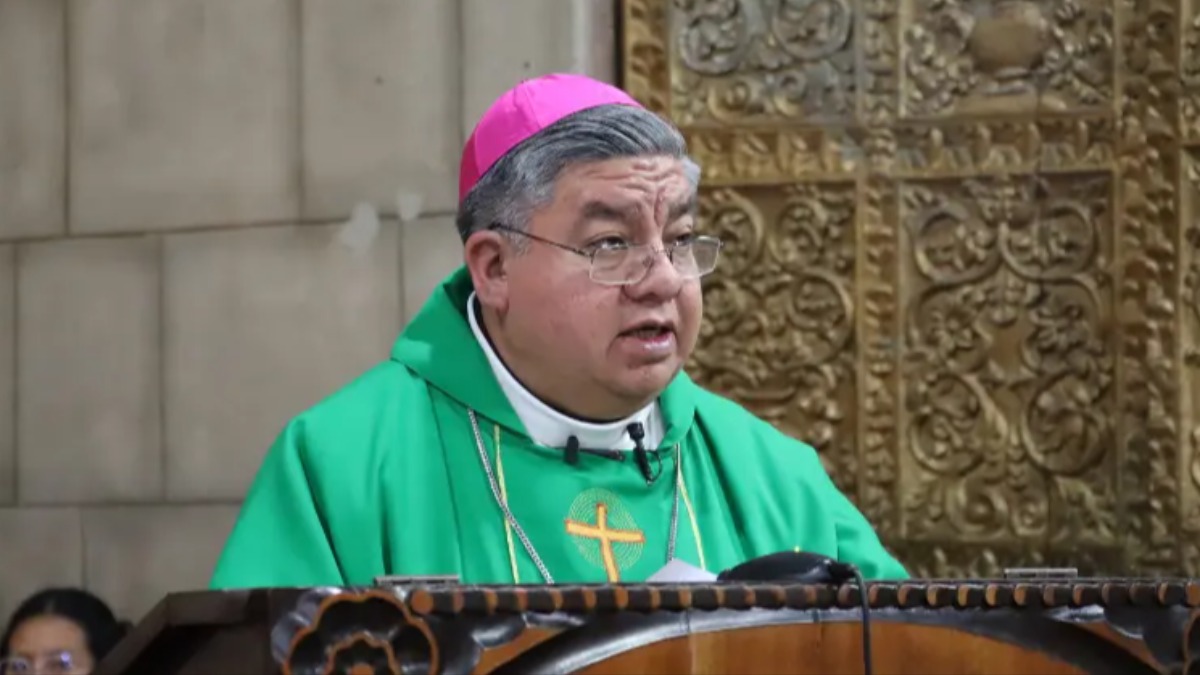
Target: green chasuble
{"type": "Point", "coordinates": [385, 477]}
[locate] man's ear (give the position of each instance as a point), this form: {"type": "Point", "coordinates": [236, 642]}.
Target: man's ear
{"type": "Point", "coordinates": [486, 255]}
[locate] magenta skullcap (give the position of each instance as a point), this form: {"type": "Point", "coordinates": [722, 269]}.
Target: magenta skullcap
{"type": "Point", "coordinates": [525, 110]}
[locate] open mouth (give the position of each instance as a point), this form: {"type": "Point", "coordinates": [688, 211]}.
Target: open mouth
{"type": "Point", "coordinates": [648, 331]}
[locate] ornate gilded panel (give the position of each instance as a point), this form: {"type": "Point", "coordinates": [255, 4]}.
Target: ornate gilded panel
{"type": "Point", "coordinates": [1006, 57]}
{"type": "Point", "coordinates": [962, 259]}
{"type": "Point", "coordinates": [780, 337]}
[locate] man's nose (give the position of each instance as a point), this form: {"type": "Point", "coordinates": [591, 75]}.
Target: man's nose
{"type": "Point", "coordinates": [662, 280]}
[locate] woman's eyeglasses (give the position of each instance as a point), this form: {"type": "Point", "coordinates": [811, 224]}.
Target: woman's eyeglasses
{"type": "Point", "coordinates": [51, 663]}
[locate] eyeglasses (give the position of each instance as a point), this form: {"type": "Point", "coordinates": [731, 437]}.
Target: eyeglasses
{"type": "Point", "coordinates": [54, 663]}
{"type": "Point", "coordinates": [622, 264]}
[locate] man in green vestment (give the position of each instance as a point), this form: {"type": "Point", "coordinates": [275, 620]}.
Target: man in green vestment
{"type": "Point", "coordinates": [534, 424]}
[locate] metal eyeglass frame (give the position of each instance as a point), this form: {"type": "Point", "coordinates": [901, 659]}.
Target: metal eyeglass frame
{"type": "Point", "coordinates": [591, 256]}
{"type": "Point", "coordinates": [61, 661]}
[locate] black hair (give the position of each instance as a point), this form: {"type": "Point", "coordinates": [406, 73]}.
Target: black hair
{"type": "Point", "coordinates": [93, 616]}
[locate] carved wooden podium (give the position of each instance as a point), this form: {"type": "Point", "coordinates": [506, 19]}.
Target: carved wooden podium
{"type": "Point", "coordinates": [1074, 626]}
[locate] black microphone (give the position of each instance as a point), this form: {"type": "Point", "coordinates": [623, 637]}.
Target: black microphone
{"type": "Point", "coordinates": [571, 452]}
{"type": "Point", "coordinates": [637, 432]}
{"type": "Point", "coordinates": [807, 568]}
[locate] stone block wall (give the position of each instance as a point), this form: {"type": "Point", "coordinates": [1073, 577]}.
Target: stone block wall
{"type": "Point", "coordinates": [176, 180]}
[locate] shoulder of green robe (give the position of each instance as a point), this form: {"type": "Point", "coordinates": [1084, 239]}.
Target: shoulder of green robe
{"type": "Point", "coordinates": [347, 425]}
{"type": "Point", "coordinates": [766, 460]}
{"type": "Point", "coordinates": [740, 435]}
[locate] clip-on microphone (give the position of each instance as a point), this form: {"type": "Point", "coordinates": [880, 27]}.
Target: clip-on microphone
{"type": "Point", "coordinates": [571, 452]}
{"type": "Point", "coordinates": [807, 568]}
{"type": "Point", "coordinates": [637, 433]}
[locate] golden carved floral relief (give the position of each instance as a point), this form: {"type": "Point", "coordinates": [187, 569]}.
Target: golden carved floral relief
{"type": "Point", "coordinates": [962, 261]}
{"type": "Point", "coordinates": [1006, 56]}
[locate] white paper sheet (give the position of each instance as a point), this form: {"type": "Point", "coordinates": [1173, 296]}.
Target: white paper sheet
{"type": "Point", "coordinates": [679, 572]}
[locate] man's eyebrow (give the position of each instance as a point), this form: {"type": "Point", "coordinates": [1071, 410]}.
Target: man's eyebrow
{"type": "Point", "coordinates": [598, 210]}
{"type": "Point", "coordinates": [629, 214]}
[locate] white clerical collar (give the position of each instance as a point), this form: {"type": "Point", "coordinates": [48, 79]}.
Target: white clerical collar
{"type": "Point", "coordinates": [549, 427]}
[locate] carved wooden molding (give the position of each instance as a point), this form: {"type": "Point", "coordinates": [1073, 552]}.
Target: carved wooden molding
{"type": "Point", "coordinates": [453, 630]}
{"type": "Point", "coordinates": [365, 629]}
{"type": "Point", "coordinates": [588, 599]}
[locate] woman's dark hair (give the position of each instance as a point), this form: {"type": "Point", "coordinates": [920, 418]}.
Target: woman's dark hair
{"type": "Point", "coordinates": [87, 611]}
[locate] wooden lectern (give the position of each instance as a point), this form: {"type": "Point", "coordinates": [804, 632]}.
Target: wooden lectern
{"type": "Point", "coordinates": [919, 627]}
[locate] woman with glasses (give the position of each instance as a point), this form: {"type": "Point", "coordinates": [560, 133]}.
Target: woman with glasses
{"type": "Point", "coordinates": [59, 631]}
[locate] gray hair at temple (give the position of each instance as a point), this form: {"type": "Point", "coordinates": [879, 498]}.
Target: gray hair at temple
{"type": "Point", "coordinates": [523, 180]}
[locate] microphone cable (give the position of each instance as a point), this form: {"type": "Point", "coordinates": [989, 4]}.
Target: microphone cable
{"type": "Point", "coordinates": [808, 568]}
{"type": "Point", "coordinates": [843, 572]}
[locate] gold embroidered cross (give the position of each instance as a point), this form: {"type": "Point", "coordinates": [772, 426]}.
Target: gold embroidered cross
{"type": "Point", "coordinates": [606, 538]}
